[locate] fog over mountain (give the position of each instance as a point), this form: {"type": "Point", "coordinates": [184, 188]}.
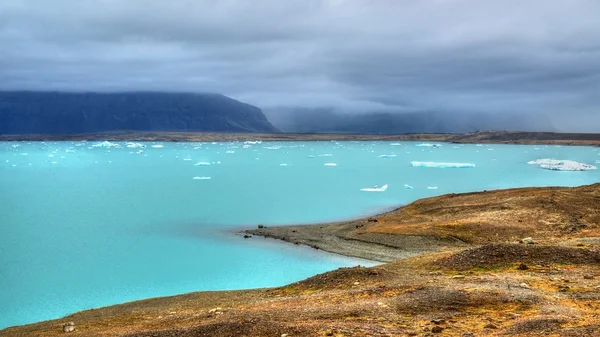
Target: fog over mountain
{"type": "Point", "coordinates": [530, 64]}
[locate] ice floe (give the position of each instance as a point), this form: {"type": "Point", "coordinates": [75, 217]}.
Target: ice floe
{"type": "Point", "coordinates": [202, 163]}
{"type": "Point", "coordinates": [428, 145]}
{"type": "Point", "coordinates": [330, 164]}
{"type": "Point", "coordinates": [106, 144]}
{"type": "Point", "coordinates": [387, 156]}
{"type": "Point", "coordinates": [441, 165]}
{"type": "Point", "coordinates": [158, 146]}
{"type": "Point", "coordinates": [311, 156]}
{"type": "Point", "coordinates": [375, 188]}
{"type": "Point", "coordinates": [432, 187]}
{"type": "Point", "coordinates": [283, 165]}
{"type": "Point", "coordinates": [251, 142]}
{"type": "Point", "coordinates": [132, 145]}
{"type": "Point", "coordinates": [396, 144]}
{"type": "Point", "coordinates": [562, 165]}
{"type": "Point", "coordinates": [201, 178]}
{"type": "Point", "coordinates": [408, 187]}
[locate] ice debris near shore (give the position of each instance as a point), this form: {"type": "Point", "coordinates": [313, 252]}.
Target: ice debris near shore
{"type": "Point", "coordinates": [106, 144]}
{"type": "Point", "coordinates": [440, 165]}
{"type": "Point", "coordinates": [428, 145]}
{"type": "Point", "coordinates": [132, 145]}
{"type": "Point", "coordinates": [375, 188]}
{"type": "Point", "coordinates": [562, 165]}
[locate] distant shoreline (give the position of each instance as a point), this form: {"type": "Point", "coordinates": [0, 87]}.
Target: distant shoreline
{"type": "Point", "coordinates": [484, 137]}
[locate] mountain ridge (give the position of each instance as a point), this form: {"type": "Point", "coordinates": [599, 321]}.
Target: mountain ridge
{"type": "Point", "coordinates": [53, 112]}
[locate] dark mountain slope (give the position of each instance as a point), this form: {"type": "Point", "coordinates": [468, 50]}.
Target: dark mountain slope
{"type": "Point", "coordinates": [69, 113]}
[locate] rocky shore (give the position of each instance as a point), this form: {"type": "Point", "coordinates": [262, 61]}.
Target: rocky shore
{"type": "Point", "coordinates": [484, 137]}
{"type": "Point", "coordinates": [517, 262]}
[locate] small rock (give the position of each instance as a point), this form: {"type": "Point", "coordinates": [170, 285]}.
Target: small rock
{"type": "Point", "coordinates": [411, 333]}
{"type": "Point", "coordinates": [261, 226]}
{"type": "Point", "coordinates": [284, 335]}
{"type": "Point", "coordinates": [524, 285]}
{"type": "Point", "coordinates": [588, 277]}
{"type": "Point", "coordinates": [458, 276]}
{"type": "Point", "coordinates": [563, 289]}
{"type": "Point", "coordinates": [373, 220]}
{"type": "Point", "coordinates": [468, 334]}
{"type": "Point", "coordinates": [490, 326]}
{"type": "Point", "coordinates": [438, 321]}
{"type": "Point", "coordinates": [437, 329]}
{"type": "Point", "coordinates": [69, 327]}
{"type": "Point", "coordinates": [513, 315]}
{"type": "Point", "coordinates": [522, 266]}
{"type": "Point", "coordinates": [528, 241]}
{"type": "Point", "coordinates": [246, 236]}
{"type": "Point", "coordinates": [329, 332]}
{"type": "Point", "coordinates": [356, 283]}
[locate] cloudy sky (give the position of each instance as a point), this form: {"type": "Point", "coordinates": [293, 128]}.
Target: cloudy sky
{"type": "Point", "coordinates": [396, 55]}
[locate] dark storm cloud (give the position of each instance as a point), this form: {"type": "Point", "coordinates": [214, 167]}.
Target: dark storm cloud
{"type": "Point", "coordinates": [387, 55]}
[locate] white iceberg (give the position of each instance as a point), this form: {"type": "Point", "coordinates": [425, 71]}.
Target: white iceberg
{"type": "Point", "coordinates": [251, 142]}
{"type": "Point", "coordinates": [229, 151]}
{"type": "Point", "coordinates": [387, 156]}
{"type": "Point", "coordinates": [201, 178]}
{"type": "Point", "coordinates": [428, 145]}
{"type": "Point", "coordinates": [202, 163]}
{"type": "Point", "coordinates": [408, 187]}
{"type": "Point", "coordinates": [106, 144]}
{"type": "Point", "coordinates": [158, 146]}
{"type": "Point", "coordinates": [375, 188]}
{"type": "Point", "coordinates": [283, 165]}
{"type": "Point", "coordinates": [432, 187]}
{"type": "Point", "coordinates": [562, 165]}
{"type": "Point", "coordinates": [132, 145]}
{"type": "Point", "coordinates": [440, 165]}
{"type": "Point", "coordinates": [396, 144]}
{"type": "Point", "coordinates": [330, 164]}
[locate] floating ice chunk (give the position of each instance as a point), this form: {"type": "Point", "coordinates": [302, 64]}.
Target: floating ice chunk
{"type": "Point", "coordinates": [326, 155]}
{"type": "Point", "coordinates": [106, 144]}
{"type": "Point", "coordinates": [132, 145]}
{"type": "Point", "coordinates": [283, 165]}
{"type": "Point", "coordinates": [432, 187]}
{"type": "Point", "coordinates": [54, 162]}
{"type": "Point", "coordinates": [158, 146]}
{"type": "Point", "coordinates": [387, 156]}
{"type": "Point", "coordinates": [375, 188]}
{"type": "Point", "coordinates": [230, 152]}
{"type": "Point", "coordinates": [187, 159]}
{"type": "Point", "coordinates": [428, 145]}
{"type": "Point", "coordinates": [311, 156]}
{"type": "Point", "coordinates": [562, 165]}
{"type": "Point", "coordinates": [441, 165]}
{"type": "Point", "coordinates": [408, 187]}
{"type": "Point", "coordinates": [396, 144]}
{"type": "Point", "coordinates": [202, 163]}
{"type": "Point", "coordinates": [253, 142]}
{"type": "Point", "coordinates": [272, 147]}
{"type": "Point", "coordinates": [51, 155]}
{"type": "Point", "coordinates": [201, 178]}
{"type": "Point", "coordinates": [246, 146]}
{"type": "Point", "coordinates": [330, 164]}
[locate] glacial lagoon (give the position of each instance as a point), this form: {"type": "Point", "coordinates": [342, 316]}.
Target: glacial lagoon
{"type": "Point", "coordinates": [87, 224]}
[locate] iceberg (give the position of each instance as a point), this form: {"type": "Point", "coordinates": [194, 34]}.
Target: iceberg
{"type": "Point", "coordinates": [283, 165]}
{"type": "Point", "coordinates": [441, 165]}
{"type": "Point", "coordinates": [229, 151]}
{"type": "Point", "coordinates": [387, 156]}
{"type": "Point", "coordinates": [202, 163]}
{"type": "Point", "coordinates": [201, 178]}
{"type": "Point", "coordinates": [396, 144]}
{"type": "Point", "coordinates": [311, 156]}
{"type": "Point", "coordinates": [330, 164]}
{"type": "Point", "coordinates": [428, 145]}
{"type": "Point", "coordinates": [132, 145]}
{"type": "Point", "coordinates": [432, 187]}
{"type": "Point", "coordinates": [158, 146]}
{"type": "Point", "coordinates": [561, 165]}
{"type": "Point", "coordinates": [106, 144]}
{"type": "Point", "coordinates": [375, 189]}
{"type": "Point", "coordinates": [251, 142]}
{"type": "Point", "coordinates": [408, 187]}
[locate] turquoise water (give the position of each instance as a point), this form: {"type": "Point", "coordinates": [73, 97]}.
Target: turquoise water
{"type": "Point", "coordinates": [84, 226]}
